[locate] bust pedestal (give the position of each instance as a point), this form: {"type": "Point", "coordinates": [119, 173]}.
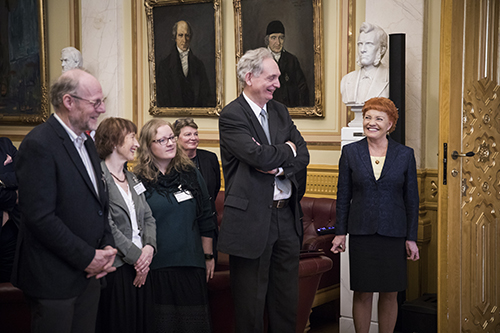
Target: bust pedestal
{"type": "Point", "coordinates": [354, 130]}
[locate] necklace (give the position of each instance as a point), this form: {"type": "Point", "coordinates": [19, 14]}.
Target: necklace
{"type": "Point", "coordinates": [118, 179]}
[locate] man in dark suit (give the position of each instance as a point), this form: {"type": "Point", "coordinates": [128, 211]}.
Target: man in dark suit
{"type": "Point", "coordinates": [181, 78]}
{"type": "Point", "coordinates": [293, 90]}
{"type": "Point", "coordinates": [261, 226]}
{"type": "Point", "coordinates": [65, 242]}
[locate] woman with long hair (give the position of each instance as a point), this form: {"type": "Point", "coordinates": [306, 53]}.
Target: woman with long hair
{"type": "Point", "coordinates": [178, 197]}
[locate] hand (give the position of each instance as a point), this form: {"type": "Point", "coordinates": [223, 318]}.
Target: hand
{"type": "Point", "coordinates": [102, 263]}
{"type": "Point", "coordinates": [338, 244]}
{"type": "Point", "coordinates": [271, 172]}
{"type": "Point", "coordinates": [210, 267]}
{"type": "Point", "coordinates": [5, 218]}
{"type": "Point", "coordinates": [145, 259]}
{"type": "Point", "coordinates": [140, 279]}
{"type": "Point", "coordinates": [412, 250]}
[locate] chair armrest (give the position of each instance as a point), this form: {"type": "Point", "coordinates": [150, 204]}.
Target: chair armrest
{"type": "Point", "coordinates": [319, 243]}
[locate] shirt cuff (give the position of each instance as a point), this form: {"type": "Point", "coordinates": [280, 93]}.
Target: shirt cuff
{"type": "Point", "coordinates": [293, 150]}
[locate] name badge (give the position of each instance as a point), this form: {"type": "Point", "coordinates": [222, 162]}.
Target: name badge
{"type": "Point", "coordinates": [139, 189]}
{"type": "Point", "coordinates": [183, 195]}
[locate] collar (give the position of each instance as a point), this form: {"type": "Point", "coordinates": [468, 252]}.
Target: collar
{"type": "Point", "coordinates": [182, 54]}
{"type": "Point", "coordinates": [276, 55]}
{"type": "Point", "coordinates": [72, 135]}
{"type": "Point", "coordinates": [255, 108]}
{"type": "Point", "coordinates": [365, 74]}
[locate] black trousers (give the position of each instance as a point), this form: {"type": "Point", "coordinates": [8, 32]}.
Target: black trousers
{"type": "Point", "coordinates": [272, 280]}
{"type": "Point", "coordinates": [73, 315]}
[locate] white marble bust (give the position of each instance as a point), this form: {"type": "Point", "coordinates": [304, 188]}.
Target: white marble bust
{"type": "Point", "coordinates": [372, 79]}
{"type": "Point", "coordinates": [71, 58]}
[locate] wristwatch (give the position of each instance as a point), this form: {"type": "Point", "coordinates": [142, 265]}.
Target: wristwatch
{"type": "Point", "coordinates": [209, 256]}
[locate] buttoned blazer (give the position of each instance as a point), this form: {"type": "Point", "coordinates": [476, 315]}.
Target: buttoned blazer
{"type": "Point", "coordinates": [63, 219]}
{"type": "Point", "coordinates": [249, 192]}
{"type": "Point", "coordinates": [387, 206]}
{"type": "Point", "coordinates": [121, 223]}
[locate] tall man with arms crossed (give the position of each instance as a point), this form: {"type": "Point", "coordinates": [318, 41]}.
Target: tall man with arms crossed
{"type": "Point", "coordinates": [261, 226]}
{"type": "Point", "coordinates": [65, 242]}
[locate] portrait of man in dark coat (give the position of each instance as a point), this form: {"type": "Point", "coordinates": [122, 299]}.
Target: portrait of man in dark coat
{"type": "Point", "coordinates": [181, 77]}
{"type": "Point", "coordinates": [293, 90]}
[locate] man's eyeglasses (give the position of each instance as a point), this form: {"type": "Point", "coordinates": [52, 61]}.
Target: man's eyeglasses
{"type": "Point", "coordinates": [163, 141]}
{"type": "Point", "coordinates": [95, 104]}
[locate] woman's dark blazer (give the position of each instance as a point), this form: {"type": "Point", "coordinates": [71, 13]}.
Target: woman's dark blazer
{"type": "Point", "coordinates": [387, 206]}
{"type": "Point", "coordinates": [210, 170]}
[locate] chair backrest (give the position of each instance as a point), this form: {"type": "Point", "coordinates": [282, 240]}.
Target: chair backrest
{"type": "Point", "coordinates": [318, 213]}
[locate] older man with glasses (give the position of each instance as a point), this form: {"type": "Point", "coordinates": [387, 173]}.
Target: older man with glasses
{"type": "Point", "coordinates": [65, 242]}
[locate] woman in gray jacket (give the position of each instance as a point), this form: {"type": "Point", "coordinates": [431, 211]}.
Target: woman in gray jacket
{"type": "Point", "coordinates": [126, 302]}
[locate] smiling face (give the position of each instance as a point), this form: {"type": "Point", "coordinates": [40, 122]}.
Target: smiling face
{"type": "Point", "coordinates": [188, 138]}
{"type": "Point", "coordinates": [376, 124]}
{"type": "Point", "coordinates": [276, 42]}
{"type": "Point", "coordinates": [83, 116]}
{"type": "Point", "coordinates": [164, 154]}
{"type": "Point", "coordinates": [128, 147]}
{"type": "Point", "coordinates": [260, 88]}
{"type": "Point", "coordinates": [183, 37]}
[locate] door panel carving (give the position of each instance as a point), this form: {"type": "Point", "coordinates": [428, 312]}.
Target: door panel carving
{"type": "Point", "coordinates": [480, 224]}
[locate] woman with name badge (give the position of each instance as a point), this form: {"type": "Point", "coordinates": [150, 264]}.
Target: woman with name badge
{"type": "Point", "coordinates": [126, 302]}
{"type": "Point", "coordinates": [178, 197]}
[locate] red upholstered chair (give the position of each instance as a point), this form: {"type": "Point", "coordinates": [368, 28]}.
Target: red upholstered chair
{"type": "Point", "coordinates": [322, 213]}
{"type": "Point", "coordinates": [311, 267]}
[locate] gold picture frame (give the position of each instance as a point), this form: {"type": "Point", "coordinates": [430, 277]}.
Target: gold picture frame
{"type": "Point", "coordinates": [260, 13]}
{"type": "Point", "coordinates": [24, 82]}
{"type": "Point", "coordinates": [206, 40]}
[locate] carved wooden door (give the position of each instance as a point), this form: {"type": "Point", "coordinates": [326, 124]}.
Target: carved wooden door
{"type": "Point", "coordinates": [469, 194]}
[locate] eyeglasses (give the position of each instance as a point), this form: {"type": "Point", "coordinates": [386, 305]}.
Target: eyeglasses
{"type": "Point", "coordinates": [164, 141]}
{"type": "Point", "coordinates": [95, 104]}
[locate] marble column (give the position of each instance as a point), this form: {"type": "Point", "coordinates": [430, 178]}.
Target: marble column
{"type": "Point", "coordinates": [103, 49]}
{"type": "Point", "coordinates": [398, 16]}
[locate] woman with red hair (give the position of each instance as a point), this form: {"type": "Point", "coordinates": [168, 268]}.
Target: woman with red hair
{"type": "Point", "coordinates": [377, 204]}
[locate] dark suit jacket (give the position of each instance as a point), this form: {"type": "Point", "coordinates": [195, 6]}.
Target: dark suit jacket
{"type": "Point", "coordinates": [8, 195]}
{"type": "Point", "coordinates": [387, 206]}
{"type": "Point", "coordinates": [173, 89]}
{"type": "Point", "coordinates": [248, 192]}
{"type": "Point", "coordinates": [293, 90]}
{"type": "Point", "coordinates": [210, 170]}
{"type": "Point", "coordinates": [63, 220]}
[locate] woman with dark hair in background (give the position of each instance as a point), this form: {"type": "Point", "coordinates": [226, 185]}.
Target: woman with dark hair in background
{"type": "Point", "coordinates": [377, 204]}
{"type": "Point", "coordinates": [178, 197]}
{"type": "Point", "coordinates": [126, 302]}
{"type": "Point", "coordinates": [186, 131]}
